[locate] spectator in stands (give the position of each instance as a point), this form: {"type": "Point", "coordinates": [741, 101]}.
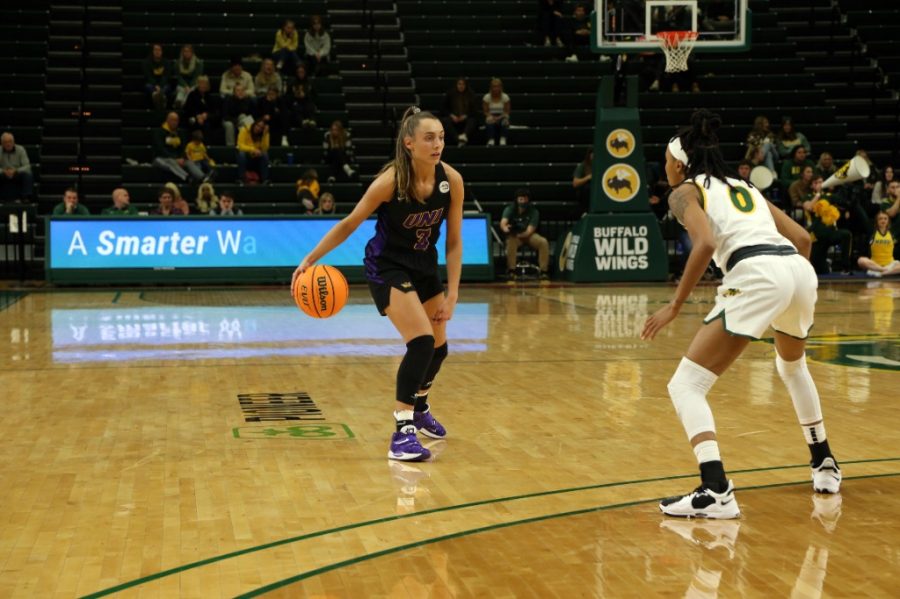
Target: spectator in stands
{"type": "Point", "coordinates": [891, 206]}
{"type": "Point", "coordinates": [236, 75]}
{"type": "Point", "coordinates": [761, 137]}
{"type": "Point", "coordinates": [496, 108]}
{"type": "Point", "coordinates": [197, 155]}
{"type": "Point", "coordinates": [822, 218]}
{"type": "Point", "coordinates": [168, 147]}
{"type": "Point", "coordinates": [550, 21]}
{"type": "Point", "coordinates": [207, 201]}
{"type": "Point", "coordinates": [788, 139]}
{"type": "Point", "coordinates": [308, 190]}
{"type": "Point", "coordinates": [327, 205]}
{"type": "Point", "coordinates": [253, 153]}
{"type": "Point", "coordinates": [69, 205]}
{"type": "Point", "coordinates": [581, 181]}
{"type": "Point", "coordinates": [187, 70]}
{"type": "Point", "coordinates": [166, 206]}
{"type": "Point", "coordinates": [301, 104]}
{"type": "Point", "coordinates": [880, 189]}
{"type": "Point", "coordinates": [317, 43]}
{"type": "Point", "coordinates": [802, 187]}
{"type": "Point", "coordinates": [882, 244]}
{"type": "Point", "coordinates": [17, 182]}
{"type": "Point", "coordinates": [576, 33]}
{"type": "Point", "coordinates": [237, 113]}
{"type": "Point", "coordinates": [302, 101]}
{"type": "Point", "coordinates": [227, 206]}
{"type": "Point", "coordinates": [460, 111]}
{"type": "Point", "coordinates": [338, 149]}
{"type": "Point", "coordinates": [744, 168]}
{"type": "Point", "coordinates": [203, 109]}
{"type": "Point", "coordinates": [519, 222]}
{"type": "Point", "coordinates": [266, 78]}
{"type": "Point", "coordinates": [178, 200]}
{"type": "Point", "coordinates": [270, 109]}
{"type": "Point", "coordinates": [793, 168]}
{"type": "Point", "coordinates": [121, 204]}
{"type": "Point", "coordinates": [284, 52]}
{"type": "Point", "coordinates": [825, 165]}
{"type": "Point", "coordinates": [157, 78]}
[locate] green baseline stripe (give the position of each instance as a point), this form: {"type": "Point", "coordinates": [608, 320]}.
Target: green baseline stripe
{"type": "Point", "coordinates": [465, 533]}
{"type": "Point", "coordinates": [319, 533]}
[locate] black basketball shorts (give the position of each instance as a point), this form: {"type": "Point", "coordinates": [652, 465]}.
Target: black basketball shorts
{"type": "Point", "coordinates": [425, 285]}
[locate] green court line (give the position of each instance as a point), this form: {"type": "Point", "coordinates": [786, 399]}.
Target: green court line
{"type": "Point", "coordinates": [465, 533]}
{"type": "Point", "coordinates": [320, 533]}
{"type": "Point", "coordinates": [115, 298]}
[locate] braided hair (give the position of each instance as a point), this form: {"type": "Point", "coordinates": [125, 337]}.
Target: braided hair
{"type": "Point", "coordinates": [701, 144]}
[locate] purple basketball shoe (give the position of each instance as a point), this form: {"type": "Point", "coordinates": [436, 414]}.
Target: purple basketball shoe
{"type": "Point", "coordinates": [428, 426]}
{"type": "Point", "coordinates": [406, 447]}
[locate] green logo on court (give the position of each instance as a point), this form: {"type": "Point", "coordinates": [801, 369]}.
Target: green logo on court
{"type": "Point", "coordinates": [299, 431]}
{"type": "Point", "coordinates": [879, 351]}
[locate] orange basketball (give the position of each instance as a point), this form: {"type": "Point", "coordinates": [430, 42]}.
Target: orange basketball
{"type": "Point", "coordinates": [321, 291]}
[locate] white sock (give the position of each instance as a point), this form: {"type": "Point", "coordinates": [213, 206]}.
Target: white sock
{"type": "Point", "coordinates": [813, 433]}
{"type": "Point", "coordinates": [804, 395]}
{"type": "Point", "coordinates": [707, 451]}
{"type": "Point", "coordinates": [405, 415]}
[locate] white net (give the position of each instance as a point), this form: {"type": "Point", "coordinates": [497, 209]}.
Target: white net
{"type": "Point", "coordinates": [677, 46]}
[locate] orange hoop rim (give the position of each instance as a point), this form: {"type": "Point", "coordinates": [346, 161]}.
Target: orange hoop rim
{"type": "Point", "coordinates": [672, 39]}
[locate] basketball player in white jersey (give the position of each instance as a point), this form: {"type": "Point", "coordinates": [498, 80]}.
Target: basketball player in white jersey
{"type": "Point", "coordinates": [768, 282]}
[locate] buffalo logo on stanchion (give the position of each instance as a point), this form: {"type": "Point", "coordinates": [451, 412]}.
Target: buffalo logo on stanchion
{"type": "Point", "coordinates": [620, 143]}
{"type": "Point", "coordinates": [621, 182]}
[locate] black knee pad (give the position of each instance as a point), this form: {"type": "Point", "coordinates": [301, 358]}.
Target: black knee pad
{"type": "Point", "coordinates": [440, 353]}
{"type": "Point", "coordinates": [411, 374]}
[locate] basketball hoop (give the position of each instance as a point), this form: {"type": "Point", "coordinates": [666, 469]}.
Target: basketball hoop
{"type": "Point", "coordinates": [677, 46]}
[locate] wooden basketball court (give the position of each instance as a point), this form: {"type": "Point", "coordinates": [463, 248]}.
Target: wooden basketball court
{"type": "Point", "coordinates": [218, 443]}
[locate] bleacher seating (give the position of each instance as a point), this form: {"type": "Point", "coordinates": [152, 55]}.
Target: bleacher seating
{"type": "Point", "coordinates": [803, 54]}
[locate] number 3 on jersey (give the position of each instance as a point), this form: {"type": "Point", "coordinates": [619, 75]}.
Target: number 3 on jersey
{"type": "Point", "coordinates": [422, 237]}
{"type": "Point", "coordinates": [741, 199]}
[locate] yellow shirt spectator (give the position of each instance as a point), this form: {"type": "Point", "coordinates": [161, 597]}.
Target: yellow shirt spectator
{"type": "Point", "coordinates": [286, 42]}
{"type": "Point", "coordinates": [246, 142]}
{"type": "Point", "coordinates": [196, 151]}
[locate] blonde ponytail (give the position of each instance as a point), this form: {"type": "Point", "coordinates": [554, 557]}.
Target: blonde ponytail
{"type": "Point", "coordinates": [404, 182]}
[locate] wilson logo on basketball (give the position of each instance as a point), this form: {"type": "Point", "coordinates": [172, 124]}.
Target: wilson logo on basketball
{"type": "Point", "coordinates": [621, 182]}
{"type": "Point", "coordinates": [322, 285]}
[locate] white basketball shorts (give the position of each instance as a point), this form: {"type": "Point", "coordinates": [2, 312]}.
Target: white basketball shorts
{"type": "Point", "coordinates": [767, 290]}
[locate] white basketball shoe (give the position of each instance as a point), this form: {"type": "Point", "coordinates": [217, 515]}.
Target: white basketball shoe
{"type": "Point", "coordinates": [827, 477]}
{"type": "Point", "coordinates": [703, 503]}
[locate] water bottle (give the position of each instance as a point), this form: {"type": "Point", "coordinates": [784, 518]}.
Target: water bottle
{"type": "Point", "coordinates": [289, 157]}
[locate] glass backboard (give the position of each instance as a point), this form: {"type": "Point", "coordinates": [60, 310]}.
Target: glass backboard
{"type": "Point", "coordinates": [631, 25]}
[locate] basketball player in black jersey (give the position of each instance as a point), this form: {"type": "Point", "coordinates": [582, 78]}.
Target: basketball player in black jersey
{"type": "Point", "coordinates": [414, 193]}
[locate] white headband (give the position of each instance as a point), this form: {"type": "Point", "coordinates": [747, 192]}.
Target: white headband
{"type": "Point", "coordinates": [677, 150]}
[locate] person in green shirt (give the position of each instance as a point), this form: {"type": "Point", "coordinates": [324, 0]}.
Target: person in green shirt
{"type": "Point", "coordinates": [792, 169]}
{"type": "Point", "coordinates": [519, 222]}
{"type": "Point", "coordinates": [70, 206]}
{"type": "Point", "coordinates": [121, 204]}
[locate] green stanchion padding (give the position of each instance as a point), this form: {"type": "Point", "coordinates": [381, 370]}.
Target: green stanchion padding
{"type": "Point", "coordinates": [618, 184]}
{"type": "Point", "coordinates": [615, 248]}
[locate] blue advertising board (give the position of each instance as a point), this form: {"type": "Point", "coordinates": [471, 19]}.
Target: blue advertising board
{"type": "Point", "coordinates": [208, 249]}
